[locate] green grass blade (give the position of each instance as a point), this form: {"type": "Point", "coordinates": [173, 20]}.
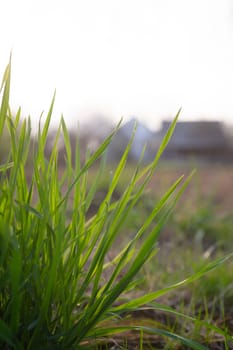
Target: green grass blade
{"type": "Point", "coordinates": [109, 296]}
{"type": "Point", "coordinates": [67, 144]}
{"type": "Point", "coordinates": [6, 334]}
{"type": "Point", "coordinates": [15, 276]}
{"type": "Point", "coordinates": [6, 95]}
{"type": "Point", "coordinates": [155, 295]}
{"type": "Point", "coordinates": [88, 164]}
{"type": "Point", "coordinates": [153, 331]}
{"type": "Point", "coordinates": [167, 136]}
{"type": "Point", "coordinates": [44, 133]}
{"type": "Point", "coordinates": [4, 167]}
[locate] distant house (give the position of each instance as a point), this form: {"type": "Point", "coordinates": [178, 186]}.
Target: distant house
{"type": "Point", "coordinates": [201, 140]}
{"type": "Point", "coordinates": [142, 137]}
{"type": "Point", "coordinates": [204, 140]}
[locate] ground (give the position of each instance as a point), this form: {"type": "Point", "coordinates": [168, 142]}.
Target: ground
{"type": "Point", "coordinates": [199, 230]}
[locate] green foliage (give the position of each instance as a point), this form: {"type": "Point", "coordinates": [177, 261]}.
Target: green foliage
{"type": "Point", "coordinates": [58, 288]}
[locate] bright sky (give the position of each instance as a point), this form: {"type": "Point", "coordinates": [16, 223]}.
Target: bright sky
{"type": "Point", "coordinates": [143, 58]}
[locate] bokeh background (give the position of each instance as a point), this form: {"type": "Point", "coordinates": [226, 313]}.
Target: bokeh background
{"type": "Point", "coordinates": [127, 58]}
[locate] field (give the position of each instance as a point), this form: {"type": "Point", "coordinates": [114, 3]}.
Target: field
{"type": "Point", "coordinates": [199, 230]}
{"type": "Point", "coordinates": [100, 256]}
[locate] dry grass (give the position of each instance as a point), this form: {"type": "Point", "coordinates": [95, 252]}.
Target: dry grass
{"type": "Point", "coordinates": [212, 184]}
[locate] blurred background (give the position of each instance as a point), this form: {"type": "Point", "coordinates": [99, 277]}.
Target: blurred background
{"type": "Point", "coordinates": [140, 60]}
{"type": "Point", "coordinates": [127, 58]}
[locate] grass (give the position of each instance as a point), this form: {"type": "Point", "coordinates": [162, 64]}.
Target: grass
{"type": "Point", "coordinates": [198, 231]}
{"type": "Point", "coordinates": [66, 279]}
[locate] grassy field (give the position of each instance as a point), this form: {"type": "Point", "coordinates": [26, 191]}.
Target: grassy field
{"type": "Point", "coordinates": [199, 230]}
{"type": "Point", "coordinates": [94, 256]}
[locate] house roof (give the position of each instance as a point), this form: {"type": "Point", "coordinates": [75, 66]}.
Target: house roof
{"type": "Point", "coordinates": [142, 137]}
{"type": "Point", "coordinates": [196, 135]}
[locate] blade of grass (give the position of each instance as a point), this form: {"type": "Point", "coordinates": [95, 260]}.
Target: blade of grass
{"type": "Point", "coordinates": [4, 167]}
{"type": "Point", "coordinates": [16, 297]}
{"type": "Point", "coordinates": [6, 334]}
{"type": "Point", "coordinates": [89, 163]}
{"type": "Point", "coordinates": [154, 295]}
{"type": "Point", "coordinates": [151, 330]}
{"type": "Point", "coordinates": [99, 307]}
{"type": "Point", "coordinates": [6, 95]}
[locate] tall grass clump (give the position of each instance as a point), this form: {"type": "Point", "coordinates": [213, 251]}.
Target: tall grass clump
{"type": "Point", "coordinates": [58, 288]}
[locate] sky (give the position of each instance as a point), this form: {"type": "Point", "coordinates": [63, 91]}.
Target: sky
{"type": "Point", "coordinates": [120, 58]}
